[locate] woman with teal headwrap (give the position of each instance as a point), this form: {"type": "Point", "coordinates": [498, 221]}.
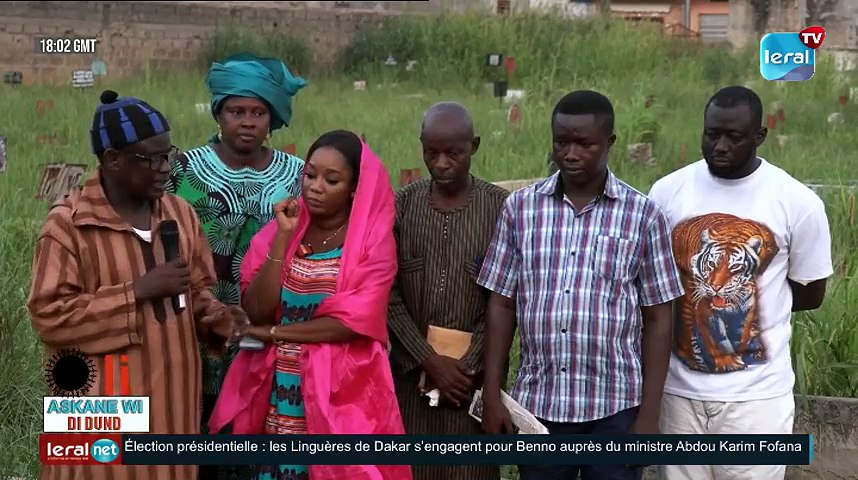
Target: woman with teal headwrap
{"type": "Point", "coordinates": [234, 181]}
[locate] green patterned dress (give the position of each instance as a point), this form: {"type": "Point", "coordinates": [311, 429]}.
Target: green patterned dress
{"type": "Point", "coordinates": [233, 204]}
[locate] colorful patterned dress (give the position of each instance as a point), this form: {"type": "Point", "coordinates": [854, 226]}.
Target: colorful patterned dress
{"type": "Point", "coordinates": [233, 204]}
{"type": "Point", "coordinates": [309, 281]}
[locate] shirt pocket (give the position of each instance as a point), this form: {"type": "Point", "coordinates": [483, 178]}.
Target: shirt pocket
{"type": "Point", "coordinates": [412, 265]}
{"type": "Point", "coordinates": [613, 258]}
{"type": "Point", "coordinates": [472, 268]}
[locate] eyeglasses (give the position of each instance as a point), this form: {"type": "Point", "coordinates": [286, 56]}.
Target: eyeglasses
{"type": "Point", "coordinates": [158, 160]}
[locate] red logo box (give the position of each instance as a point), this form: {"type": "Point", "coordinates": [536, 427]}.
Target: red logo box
{"type": "Point", "coordinates": [80, 449]}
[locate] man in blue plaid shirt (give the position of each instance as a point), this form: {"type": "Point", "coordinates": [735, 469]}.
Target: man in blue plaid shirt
{"type": "Point", "coordinates": [583, 263]}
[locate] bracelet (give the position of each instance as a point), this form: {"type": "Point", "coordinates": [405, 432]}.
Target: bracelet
{"type": "Point", "coordinates": [272, 259]}
{"type": "Point", "coordinates": [273, 333]}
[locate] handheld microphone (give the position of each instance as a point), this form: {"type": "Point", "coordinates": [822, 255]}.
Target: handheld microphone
{"type": "Point", "coordinates": [169, 231]}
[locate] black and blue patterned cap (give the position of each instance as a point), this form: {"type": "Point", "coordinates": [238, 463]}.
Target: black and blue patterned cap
{"type": "Point", "coordinates": [119, 122]}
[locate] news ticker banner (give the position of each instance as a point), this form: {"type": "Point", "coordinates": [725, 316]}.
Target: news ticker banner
{"type": "Point", "coordinates": [146, 449]}
{"type": "Point", "coordinates": [96, 414]}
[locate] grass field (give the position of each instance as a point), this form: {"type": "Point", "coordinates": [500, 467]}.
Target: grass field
{"type": "Point", "coordinates": [628, 64]}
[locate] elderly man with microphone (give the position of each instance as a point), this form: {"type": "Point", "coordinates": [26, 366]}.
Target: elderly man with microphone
{"type": "Point", "coordinates": [123, 274]}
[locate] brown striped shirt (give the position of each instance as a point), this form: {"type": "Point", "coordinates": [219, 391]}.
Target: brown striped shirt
{"type": "Point", "coordinates": [86, 260]}
{"type": "Point", "coordinates": [440, 253]}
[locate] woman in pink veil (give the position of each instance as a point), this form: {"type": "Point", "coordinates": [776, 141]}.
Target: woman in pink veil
{"type": "Point", "coordinates": [315, 284]}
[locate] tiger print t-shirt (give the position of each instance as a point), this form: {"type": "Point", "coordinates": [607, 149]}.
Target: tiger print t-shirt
{"type": "Point", "coordinates": [736, 243]}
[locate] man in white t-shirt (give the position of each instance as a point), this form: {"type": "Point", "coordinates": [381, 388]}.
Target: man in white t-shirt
{"type": "Point", "coordinates": [752, 245]}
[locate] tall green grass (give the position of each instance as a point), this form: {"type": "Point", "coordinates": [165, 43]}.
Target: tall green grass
{"type": "Point", "coordinates": [554, 56]}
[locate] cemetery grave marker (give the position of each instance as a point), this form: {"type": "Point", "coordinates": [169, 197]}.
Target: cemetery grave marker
{"type": "Point", "coordinates": [514, 116]}
{"type": "Point", "coordinates": [500, 90]}
{"type": "Point", "coordinates": [44, 106]}
{"type": "Point", "coordinates": [82, 79]}
{"type": "Point", "coordinates": [49, 139]}
{"type": "Point", "coordinates": [514, 95]}
{"type": "Point", "coordinates": [649, 101]}
{"type": "Point", "coordinates": [408, 176]}
{"type": "Point", "coordinates": [13, 78]}
{"type": "Point", "coordinates": [291, 149]}
{"type": "Point", "coordinates": [640, 153]}
{"type": "Point", "coordinates": [58, 179]}
{"type": "Point", "coordinates": [2, 153]}
{"type": "Point", "coordinates": [99, 68]}
{"type": "Point", "coordinates": [509, 65]}
{"type": "Point", "coordinates": [771, 121]}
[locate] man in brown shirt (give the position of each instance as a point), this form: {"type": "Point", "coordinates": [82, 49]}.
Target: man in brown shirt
{"type": "Point", "coordinates": [101, 284]}
{"type": "Point", "coordinates": [443, 227]}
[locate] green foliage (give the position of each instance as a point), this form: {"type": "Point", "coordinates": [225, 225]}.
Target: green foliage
{"type": "Point", "coordinates": [293, 51]}
{"type": "Point", "coordinates": [549, 50]}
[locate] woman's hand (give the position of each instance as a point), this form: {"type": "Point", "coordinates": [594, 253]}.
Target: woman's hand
{"type": "Point", "coordinates": [260, 332]}
{"type": "Point", "coordinates": [286, 213]}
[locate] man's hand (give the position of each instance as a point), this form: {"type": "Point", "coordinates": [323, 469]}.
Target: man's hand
{"type": "Point", "coordinates": [645, 425]}
{"type": "Point", "coordinates": [215, 343]}
{"type": "Point", "coordinates": [452, 377]}
{"type": "Point", "coordinates": [232, 315]}
{"type": "Point", "coordinates": [167, 280]}
{"type": "Point", "coordinates": [496, 417]}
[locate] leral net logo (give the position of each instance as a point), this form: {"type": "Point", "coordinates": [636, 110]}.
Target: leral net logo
{"type": "Point", "coordinates": [790, 56]}
{"type": "Point", "coordinates": [79, 449]}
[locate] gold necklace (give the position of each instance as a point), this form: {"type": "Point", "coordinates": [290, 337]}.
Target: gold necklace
{"type": "Point", "coordinates": [307, 248]}
{"type": "Point", "coordinates": [325, 242]}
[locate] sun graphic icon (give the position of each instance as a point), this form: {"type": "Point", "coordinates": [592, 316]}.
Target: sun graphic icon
{"type": "Point", "coordinates": [70, 373]}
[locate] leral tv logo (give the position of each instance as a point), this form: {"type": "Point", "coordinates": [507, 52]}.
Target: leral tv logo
{"type": "Point", "coordinates": [790, 56]}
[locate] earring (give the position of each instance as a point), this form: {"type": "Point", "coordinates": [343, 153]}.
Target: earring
{"type": "Point", "coordinates": [268, 140]}
{"type": "Point", "coordinates": [219, 134]}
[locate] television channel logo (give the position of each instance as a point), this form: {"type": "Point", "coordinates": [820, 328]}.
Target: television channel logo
{"type": "Point", "coordinates": [790, 56]}
{"type": "Point", "coordinates": [80, 449]}
{"type": "Point", "coordinates": [104, 450]}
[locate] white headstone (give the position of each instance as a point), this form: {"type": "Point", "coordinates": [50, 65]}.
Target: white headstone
{"type": "Point", "coordinates": [835, 118]}
{"type": "Point", "coordinates": [640, 153]}
{"type": "Point", "coordinates": [513, 95]}
{"type": "Point", "coordinates": [83, 79]}
{"type": "Point", "coordinates": [2, 153]}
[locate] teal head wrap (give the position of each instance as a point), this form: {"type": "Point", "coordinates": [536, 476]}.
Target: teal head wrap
{"type": "Point", "coordinates": [246, 75]}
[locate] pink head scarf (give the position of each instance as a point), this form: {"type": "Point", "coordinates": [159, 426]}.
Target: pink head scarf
{"type": "Point", "coordinates": [347, 387]}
